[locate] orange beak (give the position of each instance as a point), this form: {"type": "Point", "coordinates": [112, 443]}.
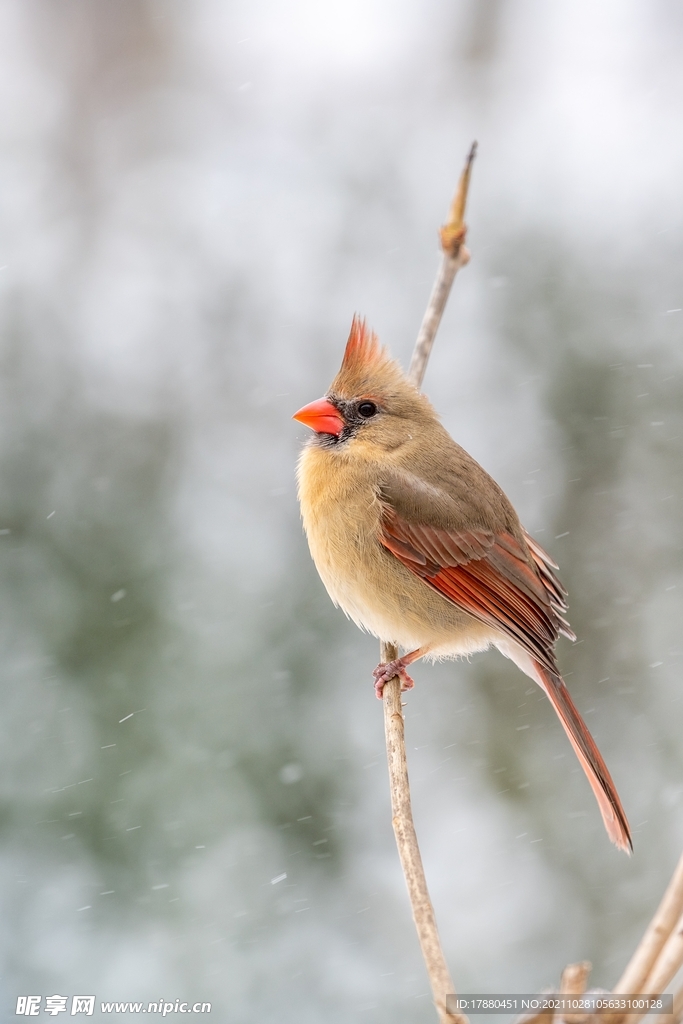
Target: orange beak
{"type": "Point", "coordinates": [321, 416]}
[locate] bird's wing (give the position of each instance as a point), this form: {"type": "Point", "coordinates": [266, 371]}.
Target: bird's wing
{"type": "Point", "coordinates": [489, 575]}
{"type": "Point", "coordinates": [509, 584]}
{"type": "Point", "coordinates": [556, 592]}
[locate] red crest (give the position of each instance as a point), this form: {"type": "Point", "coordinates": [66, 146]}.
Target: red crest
{"type": "Point", "coordinates": [363, 350]}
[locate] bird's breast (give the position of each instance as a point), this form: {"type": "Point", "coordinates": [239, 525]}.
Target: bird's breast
{"type": "Point", "coordinates": [341, 514]}
{"type": "Point", "coordinates": [342, 517]}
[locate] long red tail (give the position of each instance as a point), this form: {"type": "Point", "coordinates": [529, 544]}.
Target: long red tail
{"type": "Point", "coordinates": [590, 758]}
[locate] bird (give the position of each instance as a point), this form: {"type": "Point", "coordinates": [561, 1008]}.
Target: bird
{"type": "Point", "coordinates": [420, 546]}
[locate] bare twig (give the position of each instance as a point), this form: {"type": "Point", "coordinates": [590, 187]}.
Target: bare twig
{"type": "Point", "coordinates": [408, 850]}
{"type": "Point", "coordinates": [677, 1016]}
{"type": "Point", "coordinates": [573, 983]}
{"type": "Point", "coordinates": [668, 963]}
{"type": "Point", "coordinates": [646, 956]}
{"type": "Point", "coordinates": [654, 964]}
{"type": "Point", "coordinates": [455, 255]}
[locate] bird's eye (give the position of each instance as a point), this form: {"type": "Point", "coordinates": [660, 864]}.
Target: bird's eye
{"type": "Point", "coordinates": [367, 409]}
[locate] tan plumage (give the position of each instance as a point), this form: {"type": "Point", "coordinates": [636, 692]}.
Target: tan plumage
{"type": "Point", "coordinates": [418, 545]}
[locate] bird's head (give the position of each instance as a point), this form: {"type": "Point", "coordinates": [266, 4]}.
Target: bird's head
{"type": "Point", "coordinates": [370, 401]}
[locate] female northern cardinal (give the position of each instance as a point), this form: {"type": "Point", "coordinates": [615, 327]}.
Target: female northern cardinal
{"type": "Point", "coordinates": [421, 547]}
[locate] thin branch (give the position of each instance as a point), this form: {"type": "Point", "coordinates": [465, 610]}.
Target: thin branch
{"type": "Point", "coordinates": [677, 1016]}
{"type": "Point", "coordinates": [669, 962]}
{"type": "Point", "coordinates": [654, 964]}
{"type": "Point", "coordinates": [573, 983]}
{"type": "Point", "coordinates": [408, 850]}
{"type": "Point", "coordinates": [455, 255]}
{"type": "Point", "coordinates": [643, 961]}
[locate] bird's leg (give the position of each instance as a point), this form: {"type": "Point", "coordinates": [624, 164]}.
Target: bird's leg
{"type": "Point", "coordinates": [384, 672]}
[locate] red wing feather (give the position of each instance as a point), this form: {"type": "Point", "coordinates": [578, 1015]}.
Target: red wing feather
{"type": "Point", "coordinates": [485, 574]}
{"type": "Point", "coordinates": [557, 593]}
{"type": "Point", "coordinates": [493, 578]}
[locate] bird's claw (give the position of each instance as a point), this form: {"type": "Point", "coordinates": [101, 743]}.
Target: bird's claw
{"type": "Point", "coordinates": [384, 672]}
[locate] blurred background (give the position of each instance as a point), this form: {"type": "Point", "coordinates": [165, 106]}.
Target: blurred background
{"type": "Point", "coordinates": [195, 197]}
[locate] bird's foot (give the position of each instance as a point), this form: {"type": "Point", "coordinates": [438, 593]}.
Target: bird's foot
{"type": "Point", "coordinates": [384, 672]}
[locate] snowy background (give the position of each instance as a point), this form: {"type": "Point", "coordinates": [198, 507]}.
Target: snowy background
{"type": "Point", "coordinates": [195, 197]}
